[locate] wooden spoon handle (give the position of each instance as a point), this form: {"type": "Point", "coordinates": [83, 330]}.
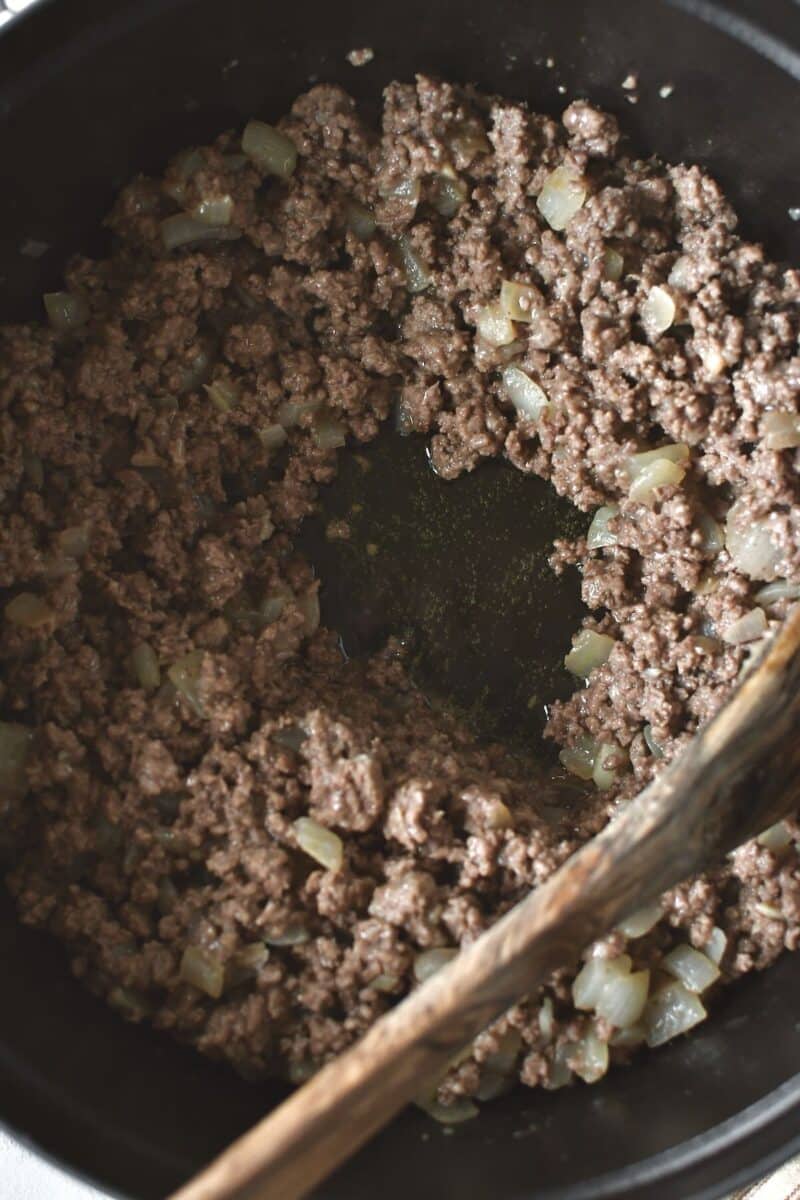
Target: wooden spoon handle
{"type": "Point", "coordinates": [739, 775]}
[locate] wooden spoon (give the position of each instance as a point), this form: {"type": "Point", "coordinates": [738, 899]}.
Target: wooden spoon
{"type": "Point", "coordinates": [739, 775]}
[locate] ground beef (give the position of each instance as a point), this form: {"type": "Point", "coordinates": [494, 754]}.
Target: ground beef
{"type": "Point", "coordinates": [179, 733]}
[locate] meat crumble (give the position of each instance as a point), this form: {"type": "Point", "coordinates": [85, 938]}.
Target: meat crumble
{"type": "Point", "coordinates": [242, 838]}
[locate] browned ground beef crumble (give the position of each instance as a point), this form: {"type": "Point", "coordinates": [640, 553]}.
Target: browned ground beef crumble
{"type": "Point", "coordinates": [149, 511]}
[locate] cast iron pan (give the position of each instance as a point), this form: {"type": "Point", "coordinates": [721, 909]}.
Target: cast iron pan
{"type": "Point", "coordinates": [92, 92]}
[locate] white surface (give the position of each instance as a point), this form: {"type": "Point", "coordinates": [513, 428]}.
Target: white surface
{"type": "Point", "coordinates": [24, 1177]}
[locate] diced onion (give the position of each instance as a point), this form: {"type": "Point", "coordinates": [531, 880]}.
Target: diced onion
{"type": "Point", "coordinates": [270, 150]}
{"type": "Point", "coordinates": [716, 945]}
{"type": "Point", "coordinates": [670, 1011]}
{"type": "Point", "coordinates": [613, 264]}
{"type": "Point", "coordinates": [579, 759]}
{"type": "Point", "coordinates": [319, 843]}
{"type": "Point", "coordinates": [642, 921]}
{"type": "Point", "coordinates": [66, 311]}
{"type": "Point", "coordinates": [748, 628]}
{"type": "Point", "coordinates": [750, 544]}
{"type": "Point", "coordinates": [658, 311]}
{"type": "Point", "coordinates": [449, 1114]}
{"type": "Point", "coordinates": [655, 748]}
{"type": "Point", "coordinates": [712, 533]}
{"type": "Point", "coordinates": [295, 935]}
{"type": "Point", "coordinates": [781, 431]}
{"type": "Point", "coordinates": [560, 1072]}
{"type": "Point", "coordinates": [781, 589]}
{"type": "Point", "coordinates": [629, 1038]}
{"type": "Point", "coordinates": [272, 437]}
{"type": "Point", "coordinates": [494, 326]}
{"type": "Point", "coordinates": [622, 1000]}
{"type": "Point", "coordinates": [589, 651]}
{"type": "Point", "coordinates": [214, 210]}
{"type": "Point", "coordinates": [15, 744]}
{"type": "Point", "coordinates": [74, 541]}
{"type": "Point", "coordinates": [360, 220]}
{"type": "Point", "coordinates": [468, 139]}
{"type": "Point", "coordinates": [519, 301]}
{"type": "Point", "coordinates": [604, 776]}
{"type": "Point", "coordinates": [246, 963]}
{"type": "Point", "coordinates": [599, 533]}
{"type": "Point", "coordinates": [660, 473]}
{"type": "Point", "coordinates": [292, 412]}
{"type": "Point", "coordinates": [493, 1084]}
{"type": "Point", "coordinates": [203, 970]}
{"type": "Point", "coordinates": [589, 1058]}
{"type": "Point", "coordinates": [385, 983]}
{"type": "Point", "coordinates": [449, 193]}
{"type": "Point", "coordinates": [777, 837]}
{"type": "Point", "coordinates": [274, 603]}
{"type": "Point", "coordinates": [637, 464]}
{"type": "Point", "coordinates": [695, 971]}
{"type": "Point", "coordinates": [328, 432]}
{"type": "Point", "coordinates": [28, 611]}
{"type": "Point", "coordinates": [223, 394]}
{"type": "Point", "coordinates": [547, 1021]}
{"type": "Point", "coordinates": [184, 674]}
{"type": "Point", "coordinates": [418, 277]}
{"type": "Point", "coordinates": [528, 398]}
{"type": "Point", "coordinates": [594, 976]}
{"type": "Point", "coordinates": [145, 666]}
{"type": "Point", "coordinates": [407, 190]}
{"type": "Point", "coordinates": [308, 603]}
{"type": "Point", "coordinates": [183, 230]}
{"type": "Point", "coordinates": [430, 961]}
{"type": "Point", "coordinates": [562, 195]}
{"type": "Point", "coordinates": [770, 911]}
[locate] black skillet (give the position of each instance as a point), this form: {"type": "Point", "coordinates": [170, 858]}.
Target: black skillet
{"type": "Point", "coordinates": [92, 91]}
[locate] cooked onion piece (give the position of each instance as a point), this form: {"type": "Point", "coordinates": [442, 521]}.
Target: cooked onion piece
{"type": "Point", "coordinates": [658, 311]}
{"type": "Point", "coordinates": [430, 961]}
{"type": "Point", "coordinates": [750, 543]}
{"type": "Point", "coordinates": [599, 533]}
{"type": "Point", "coordinates": [642, 921]}
{"type": "Point", "coordinates": [494, 326]}
{"type": "Point", "coordinates": [781, 431]}
{"type": "Point", "coordinates": [519, 301]}
{"type": "Point", "coordinates": [589, 651]}
{"type": "Point", "coordinates": [747, 628]}
{"type": "Point", "coordinates": [270, 150]}
{"type": "Point", "coordinates": [528, 398]}
{"type": "Point", "coordinates": [695, 971]}
{"type": "Point", "coordinates": [321, 844]}
{"type": "Point", "coordinates": [670, 1011]}
{"type": "Point", "coordinates": [562, 195]}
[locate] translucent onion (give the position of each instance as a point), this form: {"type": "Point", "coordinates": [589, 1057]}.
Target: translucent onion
{"type": "Point", "coordinates": [776, 838]}
{"type": "Point", "coordinates": [246, 964]}
{"type": "Point", "coordinates": [272, 437]}
{"type": "Point", "coordinates": [670, 1011]}
{"type": "Point", "coordinates": [589, 1058]}
{"type": "Point", "coordinates": [308, 603]}
{"type": "Point", "coordinates": [359, 220]}
{"type": "Point", "coordinates": [418, 277]}
{"type": "Point", "coordinates": [660, 473]}
{"type": "Point", "coordinates": [562, 195]}
{"type": "Point", "coordinates": [493, 1084]}
{"type": "Point", "coordinates": [74, 541]}
{"type": "Point", "coordinates": [66, 311]}
{"type": "Point", "coordinates": [589, 651]}
{"type": "Point", "coordinates": [183, 230]}
{"type": "Point", "coordinates": [781, 431]}
{"type": "Point", "coordinates": [603, 775]}
{"type": "Point", "coordinates": [716, 945]}
{"type": "Point", "coordinates": [430, 961]}
{"type": "Point", "coordinates": [712, 533]}
{"type": "Point", "coordinates": [145, 666]}
{"type": "Point", "coordinates": [319, 843]}
{"type": "Point", "coordinates": [385, 983]}
{"type": "Point", "coordinates": [294, 935]}
{"type": "Point", "coordinates": [655, 748]}
{"type": "Point", "coordinates": [749, 543]}
{"type": "Point", "coordinates": [29, 611]}
{"type": "Point", "coordinates": [203, 970]}
{"type": "Point", "coordinates": [449, 1114]}
{"type": "Point", "coordinates": [637, 464]}
{"type": "Point", "coordinates": [214, 210]}
{"type": "Point", "coordinates": [613, 264]}
{"type": "Point", "coordinates": [184, 674]}
{"type": "Point", "coordinates": [223, 394]}
{"type": "Point", "coordinates": [642, 921]}
{"type": "Point", "coordinates": [773, 593]}
{"type": "Point", "coordinates": [448, 194]}
{"type": "Point", "coordinates": [599, 533]}
{"type": "Point", "coordinates": [579, 759]}
{"type": "Point", "coordinates": [560, 1072]}
{"type": "Point", "coordinates": [622, 1000]}
{"type": "Point", "coordinates": [494, 326]}
{"type": "Point", "coordinates": [270, 150]}
{"type": "Point", "coordinates": [467, 139]}
{"type": "Point", "coordinates": [594, 976]}
{"type": "Point", "coordinates": [628, 1038]}
{"type": "Point", "coordinates": [292, 412]}
{"type": "Point", "coordinates": [528, 398]}
{"type": "Point", "coordinates": [519, 301]}
{"type": "Point", "coordinates": [748, 628]}
{"type": "Point", "coordinates": [547, 1020]}
{"type": "Point", "coordinates": [695, 971]}
{"type": "Point", "coordinates": [658, 311]}
{"type": "Point", "coordinates": [15, 744]}
{"type": "Point", "coordinates": [328, 432]}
